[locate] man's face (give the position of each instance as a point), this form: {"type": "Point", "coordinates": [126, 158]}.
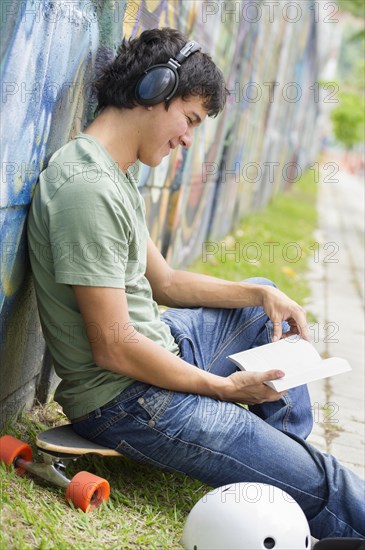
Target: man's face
{"type": "Point", "coordinates": [168, 129]}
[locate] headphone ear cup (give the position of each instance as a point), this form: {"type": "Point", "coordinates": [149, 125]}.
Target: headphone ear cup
{"type": "Point", "coordinates": [156, 85]}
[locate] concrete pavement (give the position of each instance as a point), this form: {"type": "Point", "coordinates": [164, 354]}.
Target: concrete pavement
{"type": "Point", "coordinates": [337, 284]}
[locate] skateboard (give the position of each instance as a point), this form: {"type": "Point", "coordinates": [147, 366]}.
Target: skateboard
{"type": "Point", "coordinates": [58, 447]}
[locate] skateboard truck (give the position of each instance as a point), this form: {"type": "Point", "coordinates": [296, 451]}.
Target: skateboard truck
{"type": "Point", "coordinates": [85, 490]}
{"type": "Point", "coordinates": [50, 470]}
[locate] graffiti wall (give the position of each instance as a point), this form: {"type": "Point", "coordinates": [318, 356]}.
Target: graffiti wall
{"type": "Point", "coordinates": [256, 148]}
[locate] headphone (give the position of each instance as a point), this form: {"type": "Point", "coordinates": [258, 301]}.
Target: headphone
{"type": "Point", "coordinates": [159, 82]}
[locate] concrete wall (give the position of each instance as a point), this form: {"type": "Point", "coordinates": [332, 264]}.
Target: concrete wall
{"type": "Point", "coordinates": [262, 141]}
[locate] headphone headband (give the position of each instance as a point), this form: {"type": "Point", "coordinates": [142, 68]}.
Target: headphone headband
{"type": "Point", "coordinates": [189, 48]}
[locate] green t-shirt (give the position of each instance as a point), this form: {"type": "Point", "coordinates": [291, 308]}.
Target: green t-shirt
{"type": "Point", "coordinates": [87, 227]}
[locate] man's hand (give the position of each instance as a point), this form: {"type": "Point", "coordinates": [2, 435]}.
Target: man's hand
{"type": "Point", "coordinates": [280, 308]}
{"type": "Point", "coordinates": [249, 387]}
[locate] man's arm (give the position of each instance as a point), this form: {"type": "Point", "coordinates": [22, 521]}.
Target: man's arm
{"type": "Point", "coordinates": [130, 353]}
{"type": "Point", "coordinates": [176, 288]}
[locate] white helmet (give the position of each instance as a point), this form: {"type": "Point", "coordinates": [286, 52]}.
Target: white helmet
{"type": "Point", "coordinates": [246, 516]}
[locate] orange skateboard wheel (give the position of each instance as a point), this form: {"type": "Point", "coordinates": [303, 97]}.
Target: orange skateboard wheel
{"type": "Point", "coordinates": [87, 491]}
{"type": "Point", "coordinates": [12, 448]}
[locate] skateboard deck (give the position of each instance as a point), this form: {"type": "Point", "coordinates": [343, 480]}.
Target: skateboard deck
{"type": "Point", "coordinates": [63, 439]}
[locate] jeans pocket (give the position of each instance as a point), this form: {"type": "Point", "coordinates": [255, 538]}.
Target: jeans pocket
{"type": "Point", "coordinates": [154, 402]}
{"type": "Point", "coordinates": [187, 349]}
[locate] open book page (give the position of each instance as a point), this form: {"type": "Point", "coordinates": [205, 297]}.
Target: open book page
{"type": "Point", "coordinates": [296, 357]}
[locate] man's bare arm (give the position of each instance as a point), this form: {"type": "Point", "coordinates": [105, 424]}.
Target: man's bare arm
{"type": "Point", "coordinates": [176, 288]}
{"type": "Point", "coordinates": [133, 355]}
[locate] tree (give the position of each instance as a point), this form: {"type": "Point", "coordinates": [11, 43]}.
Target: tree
{"type": "Point", "coordinates": [348, 119]}
{"type": "Point", "coordinates": [356, 7]}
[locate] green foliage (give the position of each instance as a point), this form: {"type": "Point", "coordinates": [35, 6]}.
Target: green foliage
{"type": "Point", "coordinates": [348, 119]}
{"type": "Point", "coordinates": [351, 53]}
{"type": "Point", "coordinates": [355, 7]}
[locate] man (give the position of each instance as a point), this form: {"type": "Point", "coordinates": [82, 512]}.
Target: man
{"type": "Point", "coordinates": [161, 389]}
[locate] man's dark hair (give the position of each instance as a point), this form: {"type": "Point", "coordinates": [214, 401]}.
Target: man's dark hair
{"type": "Point", "coordinates": [198, 75]}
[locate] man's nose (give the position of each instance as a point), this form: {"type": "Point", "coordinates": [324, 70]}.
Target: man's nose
{"type": "Point", "coordinates": [186, 140]}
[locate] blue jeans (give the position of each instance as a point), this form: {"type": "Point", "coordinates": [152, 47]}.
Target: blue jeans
{"type": "Point", "coordinates": [221, 442]}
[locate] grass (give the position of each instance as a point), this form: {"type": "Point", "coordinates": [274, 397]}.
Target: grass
{"type": "Point", "coordinates": [147, 508]}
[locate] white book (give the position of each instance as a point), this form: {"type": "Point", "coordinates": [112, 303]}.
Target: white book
{"type": "Point", "coordinates": [296, 357]}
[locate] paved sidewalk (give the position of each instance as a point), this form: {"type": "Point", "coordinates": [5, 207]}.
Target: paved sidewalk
{"type": "Point", "coordinates": [337, 282]}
